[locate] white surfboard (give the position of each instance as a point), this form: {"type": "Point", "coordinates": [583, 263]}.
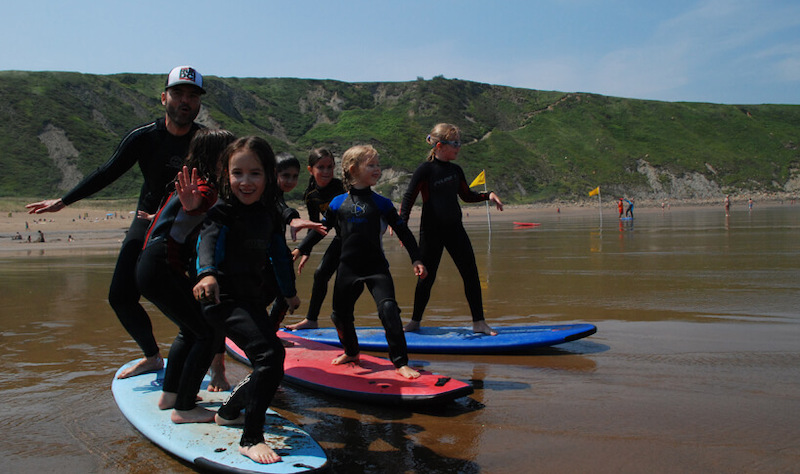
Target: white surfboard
{"type": "Point", "coordinates": [208, 445]}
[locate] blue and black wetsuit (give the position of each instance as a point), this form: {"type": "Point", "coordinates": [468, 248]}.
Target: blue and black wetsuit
{"type": "Point", "coordinates": [441, 183]}
{"type": "Point", "coordinates": [358, 217]}
{"type": "Point", "coordinates": [317, 200]}
{"type": "Point", "coordinates": [238, 245]}
{"type": "Point", "coordinates": [160, 156]}
{"type": "Point", "coordinates": [163, 277]}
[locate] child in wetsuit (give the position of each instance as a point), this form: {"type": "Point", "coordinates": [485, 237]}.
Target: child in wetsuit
{"type": "Point", "coordinates": [441, 183]}
{"type": "Point", "coordinates": [358, 218]}
{"type": "Point", "coordinates": [287, 169]}
{"type": "Point", "coordinates": [322, 187]}
{"type": "Point", "coordinates": [241, 239]}
{"type": "Point", "coordinates": [162, 275]}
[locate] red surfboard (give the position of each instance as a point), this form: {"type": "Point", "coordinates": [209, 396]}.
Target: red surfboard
{"type": "Point", "coordinates": [372, 379]}
{"type": "Point", "coordinates": [526, 224]}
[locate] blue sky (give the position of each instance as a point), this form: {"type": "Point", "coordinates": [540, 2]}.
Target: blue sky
{"type": "Point", "coordinates": [723, 51]}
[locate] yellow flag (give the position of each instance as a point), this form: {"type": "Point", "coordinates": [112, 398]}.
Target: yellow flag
{"type": "Point", "coordinates": [480, 179]}
{"type": "Point", "coordinates": [594, 192]}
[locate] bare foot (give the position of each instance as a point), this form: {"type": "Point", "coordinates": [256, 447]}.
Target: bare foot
{"type": "Point", "coordinates": [260, 453]}
{"type": "Point", "coordinates": [407, 372]}
{"type": "Point", "coordinates": [219, 382]}
{"type": "Point", "coordinates": [481, 326]}
{"type": "Point", "coordinates": [167, 400]}
{"type": "Point", "coordinates": [304, 324]}
{"type": "Point", "coordinates": [238, 421]}
{"type": "Point", "coordinates": [148, 364]}
{"type": "Point", "coordinates": [195, 415]}
{"type": "Point", "coordinates": [412, 326]}
{"type": "Point", "coordinates": [344, 359]}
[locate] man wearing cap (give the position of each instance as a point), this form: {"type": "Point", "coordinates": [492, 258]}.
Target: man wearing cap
{"type": "Point", "coordinates": [159, 148]}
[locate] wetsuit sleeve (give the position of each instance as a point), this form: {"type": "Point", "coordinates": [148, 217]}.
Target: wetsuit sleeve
{"type": "Point", "coordinates": [313, 238]}
{"type": "Point", "coordinates": [401, 230]}
{"type": "Point", "coordinates": [123, 159]}
{"type": "Point", "coordinates": [410, 196]}
{"type": "Point", "coordinates": [210, 248]}
{"type": "Point", "coordinates": [282, 265]}
{"type": "Point", "coordinates": [465, 193]}
{"type": "Point", "coordinates": [288, 214]}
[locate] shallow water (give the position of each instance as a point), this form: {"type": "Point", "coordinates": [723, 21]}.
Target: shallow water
{"type": "Point", "coordinates": [695, 365]}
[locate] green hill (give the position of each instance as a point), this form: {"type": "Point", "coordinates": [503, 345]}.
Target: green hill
{"type": "Point", "coordinates": [536, 146]}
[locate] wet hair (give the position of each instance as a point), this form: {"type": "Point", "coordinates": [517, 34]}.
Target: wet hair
{"type": "Point", "coordinates": [355, 156]}
{"type": "Point", "coordinates": [205, 151]}
{"type": "Point", "coordinates": [313, 158]}
{"type": "Point", "coordinates": [266, 157]}
{"type": "Point", "coordinates": [441, 131]}
{"type": "Point", "coordinates": [285, 161]}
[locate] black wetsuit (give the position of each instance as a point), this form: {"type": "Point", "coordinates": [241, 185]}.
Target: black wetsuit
{"type": "Point", "coordinates": [358, 217]}
{"type": "Point", "coordinates": [441, 183]}
{"type": "Point", "coordinates": [163, 277]}
{"type": "Point", "coordinates": [236, 245]}
{"type": "Point", "coordinates": [317, 200]}
{"type": "Point", "coordinates": [160, 156]}
{"type": "Point", "coordinates": [279, 308]}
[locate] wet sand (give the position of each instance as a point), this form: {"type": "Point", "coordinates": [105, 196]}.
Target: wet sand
{"type": "Point", "coordinates": [695, 366]}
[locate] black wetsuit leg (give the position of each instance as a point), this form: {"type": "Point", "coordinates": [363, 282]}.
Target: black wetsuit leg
{"type": "Point", "coordinates": [431, 246]}
{"type": "Point", "coordinates": [124, 293]}
{"type": "Point", "coordinates": [460, 249]}
{"type": "Point", "coordinates": [193, 349]}
{"type": "Point", "coordinates": [347, 289]}
{"type": "Point", "coordinates": [322, 275]}
{"type": "Point", "coordinates": [248, 326]}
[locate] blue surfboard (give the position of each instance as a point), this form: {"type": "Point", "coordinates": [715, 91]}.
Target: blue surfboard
{"type": "Point", "coordinates": [461, 340]}
{"type": "Point", "coordinates": [207, 445]}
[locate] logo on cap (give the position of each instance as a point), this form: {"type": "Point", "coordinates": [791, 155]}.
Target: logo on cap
{"type": "Point", "coordinates": [188, 74]}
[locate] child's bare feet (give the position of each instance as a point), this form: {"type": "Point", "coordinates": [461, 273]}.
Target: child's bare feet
{"type": "Point", "coordinates": [344, 359]}
{"type": "Point", "coordinates": [148, 364]}
{"type": "Point", "coordinates": [412, 326]}
{"type": "Point", "coordinates": [195, 415]}
{"type": "Point", "coordinates": [260, 453]}
{"type": "Point", "coordinates": [238, 421]}
{"type": "Point", "coordinates": [481, 326]}
{"type": "Point", "coordinates": [304, 324]}
{"type": "Point", "coordinates": [167, 400]}
{"type": "Point", "coordinates": [219, 383]}
{"type": "Point", "coordinates": [407, 372]}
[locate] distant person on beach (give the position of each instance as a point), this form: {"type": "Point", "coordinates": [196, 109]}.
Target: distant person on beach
{"type": "Point", "coordinates": [620, 207]}
{"type": "Point", "coordinates": [241, 239]}
{"type": "Point", "coordinates": [728, 205]}
{"type": "Point", "coordinates": [629, 210]}
{"type": "Point", "coordinates": [322, 188]}
{"type": "Point", "coordinates": [41, 237]}
{"type": "Point", "coordinates": [165, 276]}
{"type": "Point", "coordinates": [441, 182]}
{"type": "Point", "coordinates": [750, 204]}
{"type": "Point", "coordinates": [159, 148]}
{"type": "Point", "coordinates": [360, 218]}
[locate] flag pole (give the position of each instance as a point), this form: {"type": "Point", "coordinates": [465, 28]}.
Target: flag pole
{"type": "Point", "coordinates": [488, 216]}
{"type": "Point", "coordinates": [600, 205]}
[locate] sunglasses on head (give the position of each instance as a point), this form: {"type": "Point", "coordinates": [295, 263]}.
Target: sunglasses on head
{"type": "Point", "coordinates": [453, 143]}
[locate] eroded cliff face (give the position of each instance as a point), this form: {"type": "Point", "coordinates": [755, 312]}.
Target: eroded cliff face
{"type": "Point", "coordinates": [64, 155]}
